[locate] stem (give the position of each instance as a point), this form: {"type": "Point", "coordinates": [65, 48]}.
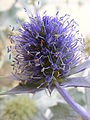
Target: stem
{"type": "Point", "coordinates": [80, 110]}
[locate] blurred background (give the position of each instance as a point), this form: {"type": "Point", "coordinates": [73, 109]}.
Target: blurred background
{"type": "Point", "coordinates": [40, 106]}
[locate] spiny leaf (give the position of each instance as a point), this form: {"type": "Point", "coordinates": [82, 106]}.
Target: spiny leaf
{"type": "Point", "coordinates": [23, 88]}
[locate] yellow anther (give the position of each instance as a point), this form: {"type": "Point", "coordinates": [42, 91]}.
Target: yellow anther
{"type": "Point", "coordinates": [28, 52]}
{"type": "Point", "coordinates": [41, 43]}
{"type": "Point", "coordinates": [36, 60]}
{"type": "Point", "coordinates": [68, 49]}
{"type": "Point", "coordinates": [25, 81]}
{"type": "Point", "coordinates": [58, 73]}
{"type": "Point", "coordinates": [70, 63]}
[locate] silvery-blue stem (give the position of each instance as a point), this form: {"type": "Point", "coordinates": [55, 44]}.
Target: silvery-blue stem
{"type": "Point", "coordinates": [70, 101]}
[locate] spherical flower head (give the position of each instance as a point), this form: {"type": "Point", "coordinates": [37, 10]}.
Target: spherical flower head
{"type": "Point", "coordinates": [45, 49]}
{"type": "Point", "coordinates": [20, 107]}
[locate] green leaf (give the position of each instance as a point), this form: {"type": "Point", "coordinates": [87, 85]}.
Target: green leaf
{"type": "Point", "coordinates": [62, 111]}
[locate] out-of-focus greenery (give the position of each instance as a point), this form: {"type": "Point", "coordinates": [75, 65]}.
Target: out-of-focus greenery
{"type": "Point", "coordinates": [7, 18]}
{"type": "Point", "coordinates": [19, 108]}
{"type": "Point", "coordinates": [77, 95]}
{"type": "Point", "coordinates": [62, 111]}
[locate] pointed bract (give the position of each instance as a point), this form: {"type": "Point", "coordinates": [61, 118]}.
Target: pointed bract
{"type": "Point", "coordinates": [77, 82]}
{"type": "Point", "coordinates": [83, 66]}
{"type": "Point", "coordinates": [21, 89]}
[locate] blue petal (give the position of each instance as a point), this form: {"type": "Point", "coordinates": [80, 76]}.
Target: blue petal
{"type": "Point", "coordinates": [80, 67]}
{"type": "Point", "coordinates": [77, 82]}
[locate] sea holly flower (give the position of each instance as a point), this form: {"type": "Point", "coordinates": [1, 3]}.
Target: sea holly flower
{"type": "Point", "coordinates": [46, 51]}
{"type": "Point", "coordinates": [23, 110]}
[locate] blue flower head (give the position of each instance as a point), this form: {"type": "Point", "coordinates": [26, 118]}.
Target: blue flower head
{"type": "Point", "coordinates": [46, 51]}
